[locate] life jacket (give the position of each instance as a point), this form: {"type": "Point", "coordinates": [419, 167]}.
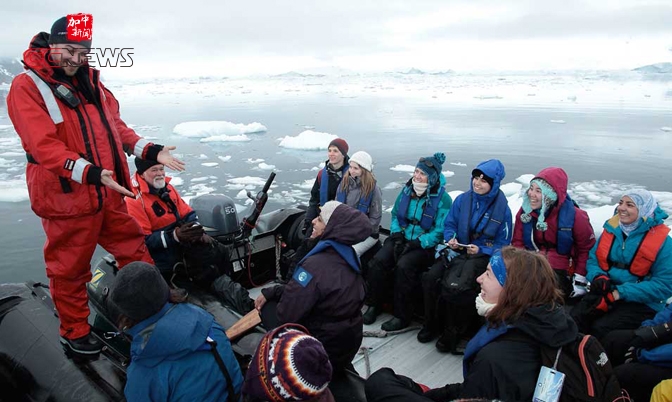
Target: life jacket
{"type": "Point", "coordinates": [497, 207]}
{"type": "Point", "coordinates": [346, 252]}
{"type": "Point", "coordinates": [429, 211]}
{"type": "Point", "coordinates": [644, 257]}
{"type": "Point", "coordinates": [324, 184]}
{"type": "Point", "coordinates": [363, 204]}
{"type": "Point", "coordinates": [564, 236]}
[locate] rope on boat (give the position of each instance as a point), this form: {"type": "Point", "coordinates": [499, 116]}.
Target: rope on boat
{"type": "Point", "coordinates": [382, 334]}
{"type": "Point", "coordinates": [278, 253]}
{"type": "Point", "coordinates": [367, 363]}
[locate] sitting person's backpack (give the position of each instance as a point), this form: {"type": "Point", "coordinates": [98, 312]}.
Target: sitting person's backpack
{"type": "Point", "coordinates": [461, 273]}
{"type": "Point", "coordinates": [589, 376]}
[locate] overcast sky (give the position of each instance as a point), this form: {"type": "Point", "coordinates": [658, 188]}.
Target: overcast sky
{"type": "Point", "coordinates": [195, 37]}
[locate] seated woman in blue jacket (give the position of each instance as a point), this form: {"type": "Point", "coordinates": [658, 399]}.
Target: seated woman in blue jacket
{"type": "Point", "coordinates": [629, 268]}
{"type": "Point", "coordinates": [174, 345]}
{"type": "Point", "coordinates": [642, 358]}
{"type": "Point", "coordinates": [416, 229]}
{"type": "Point", "coordinates": [481, 220]}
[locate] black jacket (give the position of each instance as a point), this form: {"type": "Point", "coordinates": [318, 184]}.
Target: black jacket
{"type": "Point", "coordinates": [508, 366]}
{"type": "Point", "coordinates": [330, 304]}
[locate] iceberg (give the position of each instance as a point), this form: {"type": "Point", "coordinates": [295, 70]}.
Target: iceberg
{"type": "Point", "coordinates": [205, 129]}
{"type": "Point", "coordinates": [308, 140]}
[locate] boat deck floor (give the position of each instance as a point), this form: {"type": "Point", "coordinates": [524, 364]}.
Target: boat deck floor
{"type": "Point", "coordinates": [404, 354]}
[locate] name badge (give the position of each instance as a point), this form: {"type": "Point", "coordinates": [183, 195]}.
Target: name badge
{"type": "Point", "coordinates": [549, 385]}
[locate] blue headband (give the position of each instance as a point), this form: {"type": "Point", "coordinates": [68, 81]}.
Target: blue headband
{"type": "Point", "coordinates": [498, 267]}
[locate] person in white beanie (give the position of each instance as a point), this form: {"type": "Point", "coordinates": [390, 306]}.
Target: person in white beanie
{"type": "Point", "coordinates": [360, 190]}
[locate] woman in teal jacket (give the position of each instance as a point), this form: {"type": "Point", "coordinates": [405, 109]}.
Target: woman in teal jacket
{"type": "Point", "coordinates": [629, 268]}
{"type": "Point", "coordinates": [416, 229]}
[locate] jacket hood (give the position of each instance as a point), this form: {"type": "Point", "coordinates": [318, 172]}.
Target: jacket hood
{"type": "Point", "coordinates": [36, 57]}
{"type": "Point", "coordinates": [175, 331]}
{"type": "Point", "coordinates": [558, 179]}
{"type": "Point", "coordinates": [495, 169]}
{"type": "Point", "coordinates": [347, 226]}
{"type": "Point", "coordinates": [550, 326]}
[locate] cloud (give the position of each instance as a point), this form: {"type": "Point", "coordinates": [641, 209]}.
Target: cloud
{"type": "Point", "coordinates": [244, 37]}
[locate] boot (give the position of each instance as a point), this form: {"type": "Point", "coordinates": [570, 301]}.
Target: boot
{"type": "Point", "coordinates": [86, 346]}
{"type": "Point", "coordinates": [394, 324]}
{"type": "Point", "coordinates": [371, 314]}
{"type": "Point", "coordinates": [426, 334]}
{"type": "Point", "coordinates": [447, 342]}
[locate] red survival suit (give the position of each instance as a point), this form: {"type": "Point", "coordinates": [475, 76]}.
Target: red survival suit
{"type": "Point", "coordinates": [158, 221]}
{"type": "Point", "coordinates": [67, 148]}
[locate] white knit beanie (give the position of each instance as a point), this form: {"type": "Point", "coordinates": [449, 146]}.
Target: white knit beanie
{"type": "Point", "coordinates": [327, 209]}
{"type": "Point", "coordinates": [363, 159]}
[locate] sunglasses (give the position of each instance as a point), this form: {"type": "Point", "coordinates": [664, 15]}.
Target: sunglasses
{"type": "Point", "coordinates": [429, 163]}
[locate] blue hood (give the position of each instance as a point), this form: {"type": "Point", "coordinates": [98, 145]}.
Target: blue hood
{"type": "Point", "coordinates": [495, 169]}
{"type": "Point", "coordinates": [170, 334]}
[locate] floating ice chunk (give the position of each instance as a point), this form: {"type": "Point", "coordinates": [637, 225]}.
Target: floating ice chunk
{"type": "Point", "coordinates": [13, 191]}
{"type": "Point", "coordinates": [525, 179]}
{"type": "Point", "coordinates": [392, 186]}
{"type": "Point", "coordinates": [202, 129]}
{"type": "Point", "coordinates": [199, 179]}
{"type": "Point", "coordinates": [227, 138]}
{"type": "Point", "coordinates": [598, 216]}
{"type": "Point", "coordinates": [453, 194]}
{"type": "Point", "coordinates": [201, 189]}
{"type": "Point", "coordinates": [308, 140]}
{"type": "Point", "coordinates": [225, 158]}
{"type": "Point", "coordinates": [666, 129]}
{"type": "Point", "coordinates": [203, 156]}
{"type": "Point", "coordinates": [558, 121]}
{"type": "Point", "coordinates": [458, 164]}
{"type": "Point", "coordinates": [176, 181]}
{"type": "Point", "coordinates": [210, 164]}
{"type": "Point", "coordinates": [510, 189]}
{"type": "Point", "coordinates": [403, 168]}
{"type": "Point", "coordinates": [248, 180]}
{"type": "Point", "coordinates": [254, 161]}
{"type": "Point", "coordinates": [242, 194]}
{"type": "Point", "coordinates": [264, 166]}
{"type": "Point", "coordinates": [306, 184]}
{"type": "Point", "coordinates": [447, 173]}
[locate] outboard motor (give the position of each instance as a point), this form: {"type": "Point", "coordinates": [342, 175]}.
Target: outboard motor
{"type": "Point", "coordinates": [217, 213]}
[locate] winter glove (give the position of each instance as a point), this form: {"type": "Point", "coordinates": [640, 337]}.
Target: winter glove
{"type": "Point", "coordinates": [649, 337]}
{"type": "Point", "coordinates": [601, 285]}
{"type": "Point", "coordinates": [397, 237]}
{"type": "Point", "coordinates": [398, 241]}
{"type": "Point", "coordinates": [412, 245]}
{"type": "Point", "coordinates": [189, 232]}
{"type": "Point", "coordinates": [631, 354]}
{"type": "Point", "coordinates": [579, 284]}
{"type": "Point", "coordinates": [604, 303]}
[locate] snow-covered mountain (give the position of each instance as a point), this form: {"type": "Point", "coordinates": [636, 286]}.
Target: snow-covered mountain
{"type": "Point", "coordinates": [9, 68]}
{"type": "Point", "coordinates": [658, 68]}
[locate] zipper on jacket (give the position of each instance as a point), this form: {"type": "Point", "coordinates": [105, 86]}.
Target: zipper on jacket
{"type": "Point", "coordinates": [87, 145]}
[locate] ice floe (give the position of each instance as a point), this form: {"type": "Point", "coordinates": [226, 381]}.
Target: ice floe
{"type": "Point", "coordinates": [308, 140]}
{"type": "Point", "coordinates": [204, 129]}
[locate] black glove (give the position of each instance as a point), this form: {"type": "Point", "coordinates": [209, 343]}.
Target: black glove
{"type": "Point", "coordinates": [399, 244]}
{"type": "Point", "coordinates": [189, 232]}
{"type": "Point", "coordinates": [601, 285]}
{"type": "Point", "coordinates": [413, 245]}
{"type": "Point", "coordinates": [586, 311]}
{"type": "Point", "coordinates": [631, 354]}
{"type": "Point", "coordinates": [649, 337]}
{"type": "Point", "coordinates": [397, 237]}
